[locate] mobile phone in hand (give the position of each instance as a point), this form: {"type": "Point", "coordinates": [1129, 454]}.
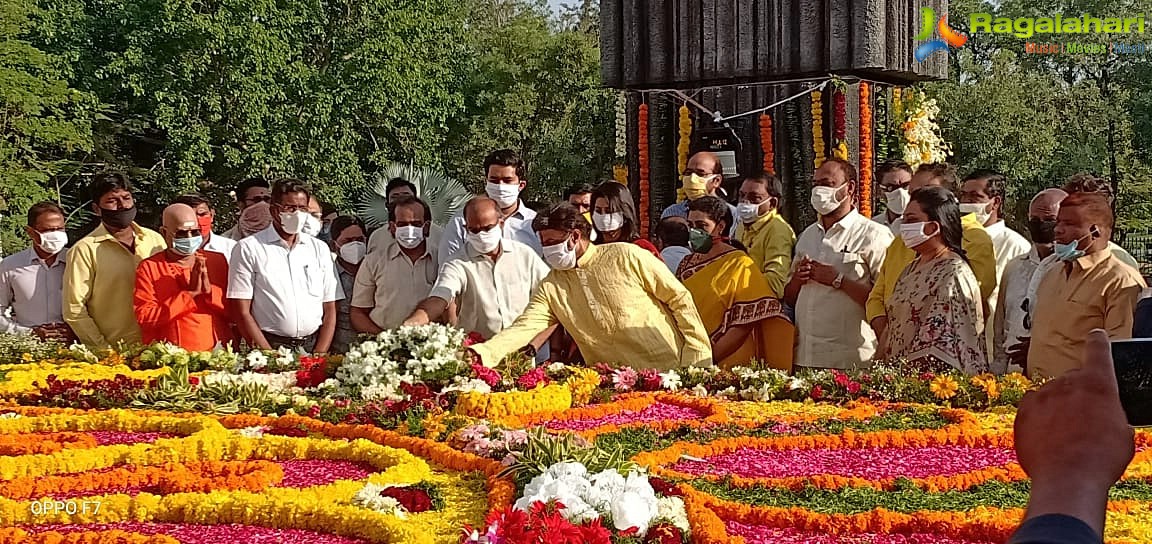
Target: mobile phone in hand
{"type": "Point", "coordinates": [1133, 362]}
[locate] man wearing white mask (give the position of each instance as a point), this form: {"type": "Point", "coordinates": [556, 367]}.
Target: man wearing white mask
{"type": "Point", "coordinates": [349, 243]}
{"type": "Point", "coordinates": [893, 177]}
{"type": "Point", "coordinates": [392, 281]}
{"type": "Point", "coordinates": [281, 285]}
{"type": "Point", "coordinates": [491, 280]}
{"type": "Point", "coordinates": [314, 223]}
{"type": "Point", "coordinates": [31, 281]}
{"type": "Point", "coordinates": [763, 231]}
{"type": "Point", "coordinates": [618, 302]}
{"type": "Point", "coordinates": [837, 259]}
{"type": "Point", "coordinates": [504, 171]}
{"type": "Point", "coordinates": [702, 176]}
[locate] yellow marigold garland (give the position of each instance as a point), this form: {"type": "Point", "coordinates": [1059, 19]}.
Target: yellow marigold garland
{"type": "Point", "coordinates": [818, 128]}
{"type": "Point", "coordinates": [543, 398]}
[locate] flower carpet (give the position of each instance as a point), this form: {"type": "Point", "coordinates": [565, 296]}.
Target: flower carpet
{"type": "Point", "coordinates": [164, 446]}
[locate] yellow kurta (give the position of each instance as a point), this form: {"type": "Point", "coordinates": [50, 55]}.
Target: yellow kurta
{"type": "Point", "coordinates": [99, 281]}
{"type": "Point", "coordinates": [621, 305]}
{"type": "Point", "coordinates": [769, 241]}
{"type": "Point", "coordinates": [729, 291]}
{"type": "Point", "coordinates": [981, 257]}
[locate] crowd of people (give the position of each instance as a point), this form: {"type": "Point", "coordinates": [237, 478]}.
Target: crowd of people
{"type": "Point", "coordinates": [937, 280]}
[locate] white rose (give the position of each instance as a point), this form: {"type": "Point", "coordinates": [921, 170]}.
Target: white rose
{"type": "Point", "coordinates": [633, 509]}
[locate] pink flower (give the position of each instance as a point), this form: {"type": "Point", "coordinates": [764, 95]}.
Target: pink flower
{"type": "Point", "coordinates": [650, 380]}
{"type": "Point", "coordinates": [473, 338]}
{"type": "Point", "coordinates": [531, 379]}
{"type": "Point", "coordinates": [624, 379]}
{"type": "Point", "coordinates": [486, 375]}
{"type": "Point", "coordinates": [853, 387]}
{"type": "Point", "coordinates": [840, 378]}
{"type": "Point", "coordinates": [817, 392]}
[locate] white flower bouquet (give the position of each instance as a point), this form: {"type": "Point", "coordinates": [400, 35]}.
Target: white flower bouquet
{"type": "Point", "coordinates": [425, 354]}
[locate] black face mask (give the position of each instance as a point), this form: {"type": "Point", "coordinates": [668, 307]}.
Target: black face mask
{"type": "Point", "coordinates": [118, 218]}
{"type": "Point", "coordinates": [1042, 232]}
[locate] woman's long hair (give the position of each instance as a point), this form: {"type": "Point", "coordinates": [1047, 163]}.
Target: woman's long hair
{"type": "Point", "coordinates": [941, 206]}
{"type": "Point", "coordinates": [619, 200]}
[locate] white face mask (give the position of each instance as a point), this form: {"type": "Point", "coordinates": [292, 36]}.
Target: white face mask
{"type": "Point", "coordinates": [560, 256]}
{"type": "Point", "coordinates": [505, 194]}
{"type": "Point", "coordinates": [409, 236]}
{"type": "Point", "coordinates": [353, 252]}
{"type": "Point", "coordinates": [913, 234]}
{"type": "Point", "coordinates": [979, 209]}
{"type": "Point", "coordinates": [485, 242]}
{"type": "Point", "coordinates": [53, 242]}
{"type": "Point", "coordinates": [824, 199]}
{"type": "Point", "coordinates": [897, 200]}
{"type": "Point", "coordinates": [312, 226]}
{"type": "Point", "coordinates": [608, 222]}
{"type": "Point", "coordinates": [293, 222]}
{"type": "Point", "coordinates": [748, 212]}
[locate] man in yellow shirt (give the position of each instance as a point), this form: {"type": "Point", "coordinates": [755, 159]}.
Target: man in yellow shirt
{"type": "Point", "coordinates": [620, 304]}
{"type": "Point", "coordinates": [763, 231]}
{"type": "Point", "coordinates": [977, 244]}
{"type": "Point", "coordinates": [100, 275]}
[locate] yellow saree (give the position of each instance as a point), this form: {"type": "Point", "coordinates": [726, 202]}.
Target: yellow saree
{"type": "Point", "coordinates": [730, 291]}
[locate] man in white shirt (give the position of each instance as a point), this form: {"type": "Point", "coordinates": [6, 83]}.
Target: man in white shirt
{"type": "Point", "coordinates": [248, 192]}
{"type": "Point", "coordinates": [837, 259]}
{"type": "Point", "coordinates": [281, 282]}
{"type": "Point", "coordinates": [491, 279]}
{"type": "Point", "coordinates": [205, 216]}
{"type": "Point", "coordinates": [31, 281]}
{"type": "Point", "coordinates": [393, 280]}
{"type": "Point", "coordinates": [396, 189]}
{"type": "Point", "coordinates": [505, 174]}
{"type": "Point", "coordinates": [1011, 314]}
{"type": "Point", "coordinates": [893, 177]}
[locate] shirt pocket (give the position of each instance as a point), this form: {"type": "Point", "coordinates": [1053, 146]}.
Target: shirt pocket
{"type": "Point", "coordinates": [313, 281]}
{"type": "Point", "coordinates": [852, 265]}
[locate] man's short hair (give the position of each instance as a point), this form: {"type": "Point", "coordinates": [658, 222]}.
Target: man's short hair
{"type": "Point", "coordinates": [562, 216]}
{"type": "Point", "coordinates": [396, 183]}
{"type": "Point", "coordinates": [405, 202]}
{"type": "Point", "coordinates": [1095, 206]}
{"type": "Point", "coordinates": [344, 222]}
{"type": "Point", "coordinates": [946, 172]}
{"type": "Point", "coordinates": [846, 167]}
{"type": "Point", "coordinates": [891, 165]}
{"type": "Point", "coordinates": [771, 183]}
{"type": "Point", "coordinates": [288, 186]}
{"type": "Point", "coordinates": [672, 231]}
{"type": "Point", "coordinates": [107, 182]}
{"type": "Point", "coordinates": [996, 183]}
{"type": "Point", "coordinates": [579, 189]}
{"type": "Point", "coordinates": [41, 208]}
{"type": "Point", "coordinates": [192, 200]}
{"type": "Point", "coordinates": [505, 157]}
{"type": "Point", "coordinates": [1088, 183]}
{"type": "Point", "coordinates": [243, 187]}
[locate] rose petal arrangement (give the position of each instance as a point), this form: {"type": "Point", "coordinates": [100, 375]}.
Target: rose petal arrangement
{"type": "Point", "coordinates": [402, 442]}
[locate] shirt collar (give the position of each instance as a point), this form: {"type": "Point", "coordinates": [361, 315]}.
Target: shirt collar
{"type": "Point", "coordinates": [844, 223]}
{"type": "Point", "coordinates": [996, 229]}
{"type": "Point", "coordinates": [101, 233]}
{"type": "Point", "coordinates": [394, 250]}
{"type": "Point", "coordinates": [1091, 260]}
{"type": "Point", "coordinates": [524, 212]}
{"type": "Point", "coordinates": [762, 220]}
{"type": "Point", "coordinates": [1034, 255]}
{"type": "Point", "coordinates": [474, 255]}
{"type": "Point", "coordinates": [34, 258]}
{"type": "Point", "coordinates": [590, 255]}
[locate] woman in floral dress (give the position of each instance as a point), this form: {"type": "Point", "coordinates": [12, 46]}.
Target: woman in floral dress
{"type": "Point", "coordinates": [935, 317]}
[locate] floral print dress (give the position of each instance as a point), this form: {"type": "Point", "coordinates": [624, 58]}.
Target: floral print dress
{"type": "Point", "coordinates": [935, 319]}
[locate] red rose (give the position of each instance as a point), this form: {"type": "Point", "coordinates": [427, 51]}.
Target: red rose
{"type": "Point", "coordinates": [194, 380]}
{"type": "Point", "coordinates": [817, 392]}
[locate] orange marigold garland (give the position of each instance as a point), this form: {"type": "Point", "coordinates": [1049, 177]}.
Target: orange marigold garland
{"type": "Point", "coordinates": [766, 143]}
{"type": "Point", "coordinates": [866, 149]}
{"type": "Point", "coordinates": [642, 148]}
{"type": "Point", "coordinates": [818, 128]}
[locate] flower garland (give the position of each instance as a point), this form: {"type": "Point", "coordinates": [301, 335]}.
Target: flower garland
{"type": "Point", "coordinates": [866, 150]}
{"type": "Point", "coordinates": [498, 405]}
{"type": "Point", "coordinates": [30, 377]}
{"type": "Point", "coordinates": [923, 142]}
{"type": "Point", "coordinates": [766, 144]}
{"type": "Point", "coordinates": [642, 148]}
{"type": "Point", "coordinates": [684, 140]}
{"type": "Point", "coordinates": [625, 407]}
{"type": "Point", "coordinates": [818, 128]}
{"type": "Point", "coordinates": [621, 124]}
{"type": "Point", "coordinates": [839, 124]}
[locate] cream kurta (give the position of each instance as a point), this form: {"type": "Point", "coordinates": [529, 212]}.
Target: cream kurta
{"type": "Point", "coordinates": [621, 305]}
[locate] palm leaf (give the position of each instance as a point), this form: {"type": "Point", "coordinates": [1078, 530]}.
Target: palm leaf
{"type": "Point", "coordinates": [444, 195]}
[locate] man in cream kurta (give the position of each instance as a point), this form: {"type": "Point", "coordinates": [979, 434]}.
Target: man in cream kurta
{"type": "Point", "coordinates": [620, 303]}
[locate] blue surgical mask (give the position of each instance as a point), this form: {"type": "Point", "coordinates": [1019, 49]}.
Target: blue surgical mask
{"type": "Point", "coordinates": [187, 246]}
{"type": "Point", "coordinates": [1071, 251]}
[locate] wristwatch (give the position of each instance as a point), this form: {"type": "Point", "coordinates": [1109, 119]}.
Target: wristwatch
{"type": "Point", "coordinates": [836, 283]}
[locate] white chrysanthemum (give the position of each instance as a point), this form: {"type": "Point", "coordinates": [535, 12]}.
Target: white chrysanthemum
{"type": "Point", "coordinates": [670, 380]}
{"type": "Point", "coordinates": [671, 510]}
{"type": "Point", "coordinates": [369, 497]}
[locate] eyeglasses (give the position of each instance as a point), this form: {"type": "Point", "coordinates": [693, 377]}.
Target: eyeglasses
{"type": "Point", "coordinates": [288, 208]}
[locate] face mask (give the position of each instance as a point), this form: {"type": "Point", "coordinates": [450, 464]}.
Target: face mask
{"type": "Point", "coordinates": [1071, 251]}
{"type": "Point", "coordinates": [748, 212]}
{"type": "Point", "coordinates": [485, 242]}
{"type": "Point", "coordinates": [293, 223]}
{"type": "Point", "coordinates": [505, 194]}
{"type": "Point", "coordinates": [913, 234]}
{"type": "Point", "coordinates": [53, 242]}
{"type": "Point", "coordinates": [560, 256]}
{"type": "Point", "coordinates": [187, 246]}
{"type": "Point", "coordinates": [824, 200]}
{"type": "Point", "coordinates": [118, 219]}
{"type": "Point", "coordinates": [205, 222]}
{"type": "Point", "coordinates": [353, 252]}
{"type": "Point", "coordinates": [1043, 232]}
{"type": "Point", "coordinates": [979, 209]}
{"type": "Point", "coordinates": [897, 200]}
{"type": "Point", "coordinates": [409, 236]}
{"type": "Point", "coordinates": [312, 226]}
{"type": "Point", "coordinates": [325, 232]}
{"type": "Point", "coordinates": [608, 222]}
{"type": "Point", "coordinates": [699, 240]}
{"type": "Point", "coordinates": [695, 186]}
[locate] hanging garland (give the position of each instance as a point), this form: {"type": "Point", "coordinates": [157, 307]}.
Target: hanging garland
{"type": "Point", "coordinates": [682, 146]}
{"type": "Point", "coordinates": [839, 124]}
{"type": "Point", "coordinates": [642, 147]}
{"type": "Point", "coordinates": [621, 125]}
{"type": "Point", "coordinates": [766, 144]}
{"type": "Point", "coordinates": [818, 128]}
{"type": "Point", "coordinates": [866, 151]}
{"type": "Point", "coordinates": [620, 174]}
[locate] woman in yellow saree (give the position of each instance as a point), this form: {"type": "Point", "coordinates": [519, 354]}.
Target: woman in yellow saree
{"type": "Point", "coordinates": [744, 321]}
